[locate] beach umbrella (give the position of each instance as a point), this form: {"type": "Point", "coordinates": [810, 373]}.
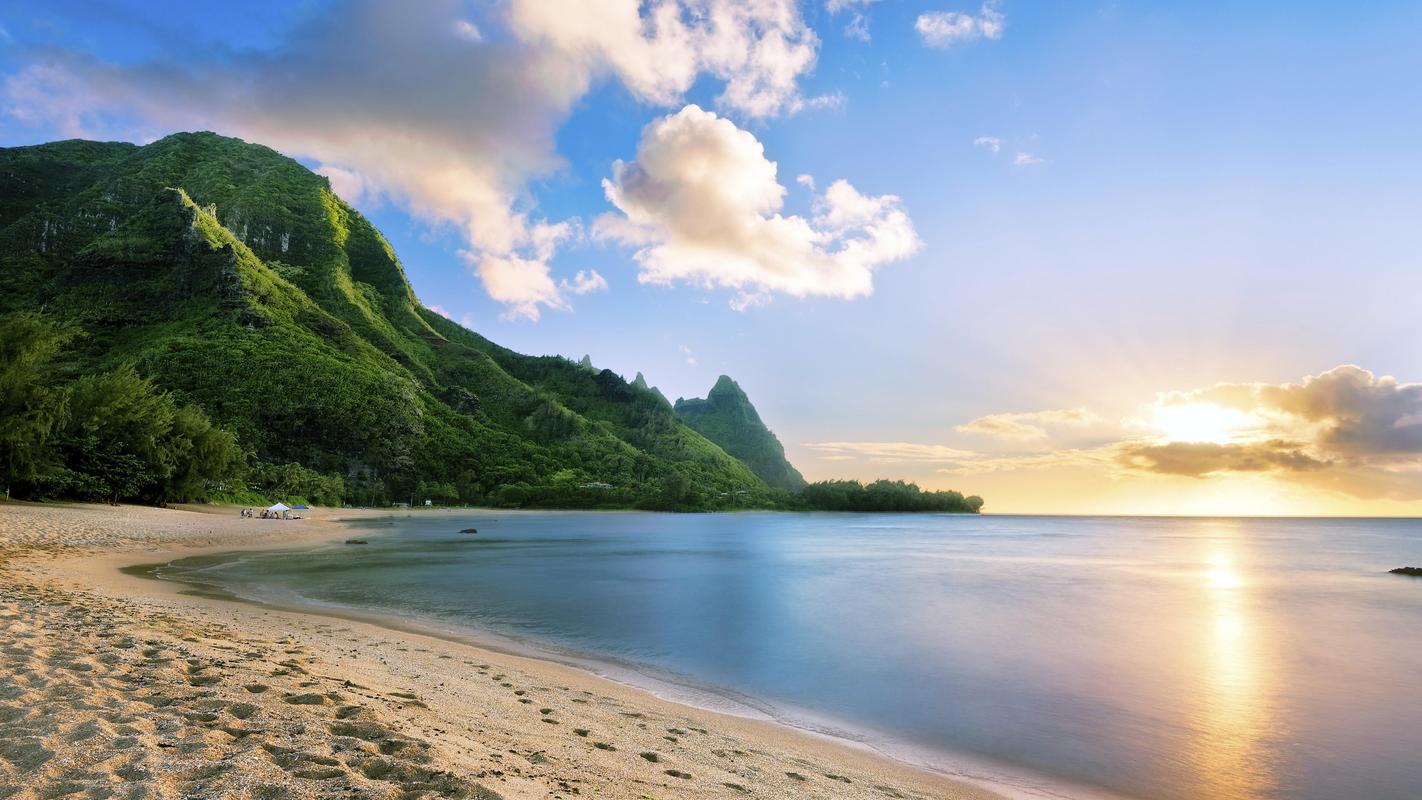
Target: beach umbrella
{"type": "Point", "coordinates": [279, 507]}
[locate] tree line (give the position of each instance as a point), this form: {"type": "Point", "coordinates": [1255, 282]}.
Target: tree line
{"type": "Point", "coordinates": [884, 495]}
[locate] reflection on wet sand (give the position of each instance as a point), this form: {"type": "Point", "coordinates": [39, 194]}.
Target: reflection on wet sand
{"type": "Point", "coordinates": [1235, 721]}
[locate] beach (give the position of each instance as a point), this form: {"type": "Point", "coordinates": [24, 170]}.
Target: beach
{"type": "Point", "coordinates": [117, 685]}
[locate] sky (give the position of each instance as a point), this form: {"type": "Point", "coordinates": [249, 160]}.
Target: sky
{"type": "Point", "coordinates": [1074, 257]}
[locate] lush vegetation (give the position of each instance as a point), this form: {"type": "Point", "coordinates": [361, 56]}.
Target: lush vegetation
{"type": "Point", "coordinates": [884, 496]}
{"type": "Point", "coordinates": [218, 324]}
{"type": "Point", "coordinates": [229, 279]}
{"type": "Point", "coordinates": [727, 418]}
{"type": "Point", "coordinates": [105, 436]}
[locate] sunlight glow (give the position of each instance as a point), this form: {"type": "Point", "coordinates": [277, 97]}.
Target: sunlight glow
{"type": "Point", "coordinates": [1224, 579]}
{"type": "Point", "coordinates": [1202, 422]}
{"type": "Point", "coordinates": [1237, 683]}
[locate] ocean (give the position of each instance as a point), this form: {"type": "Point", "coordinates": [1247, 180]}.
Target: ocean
{"type": "Point", "coordinates": [1167, 658]}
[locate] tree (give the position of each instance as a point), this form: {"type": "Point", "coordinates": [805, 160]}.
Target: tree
{"type": "Point", "coordinates": [131, 441]}
{"type": "Point", "coordinates": [117, 432]}
{"type": "Point", "coordinates": [208, 456]}
{"type": "Point", "coordinates": [30, 407]}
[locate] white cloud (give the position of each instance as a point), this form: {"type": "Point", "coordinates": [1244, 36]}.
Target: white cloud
{"type": "Point", "coordinates": [585, 281]}
{"type": "Point", "coordinates": [690, 358]}
{"type": "Point", "coordinates": [858, 25]}
{"type": "Point", "coordinates": [1028, 425]}
{"type": "Point", "coordinates": [1025, 160]}
{"type": "Point", "coordinates": [468, 31]}
{"type": "Point", "coordinates": [348, 185]}
{"type": "Point", "coordinates": [807, 181]}
{"type": "Point", "coordinates": [759, 49]}
{"type": "Point", "coordinates": [947, 28]}
{"type": "Point", "coordinates": [525, 285]}
{"type": "Point", "coordinates": [414, 103]}
{"type": "Point", "coordinates": [703, 205]}
{"type": "Point", "coordinates": [991, 143]}
{"type": "Point", "coordinates": [438, 309]}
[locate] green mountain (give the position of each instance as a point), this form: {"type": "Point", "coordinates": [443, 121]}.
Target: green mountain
{"type": "Point", "coordinates": [727, 418]}
{"type": "Point", "coordinates": [235, 281]}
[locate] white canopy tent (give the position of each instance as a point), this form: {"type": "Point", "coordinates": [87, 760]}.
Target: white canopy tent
{"type": "Point", "coordinates": [279, 507]}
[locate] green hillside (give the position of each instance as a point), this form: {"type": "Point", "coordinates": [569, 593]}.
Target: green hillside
{"type": "Point", "coordinates": [727, 418]}
{"type": "Point", "coordinates": [238, 284]}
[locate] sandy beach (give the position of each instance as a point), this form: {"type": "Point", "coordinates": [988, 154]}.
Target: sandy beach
{"type": "Point", "coordinates": [114, 685]}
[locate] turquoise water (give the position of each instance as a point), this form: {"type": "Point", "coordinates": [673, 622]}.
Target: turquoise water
{"type": "Point", "coordinates": [1151, 657]}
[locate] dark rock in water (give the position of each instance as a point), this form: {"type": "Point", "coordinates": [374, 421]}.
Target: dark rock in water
{"type": "Point", "coordinates": [356, 541]}
{"type": "Point", "coordinates": [470, 530]}
{"type": "Point", "coordinates": [1411, 572]}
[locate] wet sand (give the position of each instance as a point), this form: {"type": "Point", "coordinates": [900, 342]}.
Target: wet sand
{"type": "Point", "coordinates": [113, 685]}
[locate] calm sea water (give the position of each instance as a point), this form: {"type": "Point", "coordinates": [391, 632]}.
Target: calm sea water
{"type": "Point", "coordinates": [1154, 658]}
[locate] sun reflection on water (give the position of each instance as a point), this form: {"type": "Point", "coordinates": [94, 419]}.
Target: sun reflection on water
{"type": "Point", "coordinates": [1234, 724]}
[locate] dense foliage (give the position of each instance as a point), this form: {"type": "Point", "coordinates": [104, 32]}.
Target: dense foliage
{"type": "Point", "coordinates": [884, 496]}
{"type": "Point", "coordinates": [30, 406]}
{"type": "Point", "coordinates": [218, 323]}
{"type": "Point", "coordinates": [228, 278]}
{"type": "Point", "coordinates": [109, 436]}
{"type": "Point", "coordinates": [727, 418]}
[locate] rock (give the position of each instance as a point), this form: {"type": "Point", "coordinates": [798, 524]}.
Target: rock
{"type": "Point", "coordinates": [470, 530]}
{"type": "Point", "coordinates": [1411, 572]}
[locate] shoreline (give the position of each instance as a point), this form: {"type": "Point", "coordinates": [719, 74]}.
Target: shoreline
{"type": "Point", "coordinates": [1009, 781]}
{"type": "Point", "coordinates": [96, 569]}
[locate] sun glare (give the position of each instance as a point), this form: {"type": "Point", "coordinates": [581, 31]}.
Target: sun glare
{"type": "Point", "coordinates": [1202, 422]}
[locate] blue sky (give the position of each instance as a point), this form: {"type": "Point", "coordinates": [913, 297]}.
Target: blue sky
{"type": "Point", "coordinates": [1111, 201]}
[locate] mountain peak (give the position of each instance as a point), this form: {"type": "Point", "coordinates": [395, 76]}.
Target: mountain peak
{"type": "Point", "coordinates": [726, 387]}
{"type": "Point", "coordinates": [727, 417]}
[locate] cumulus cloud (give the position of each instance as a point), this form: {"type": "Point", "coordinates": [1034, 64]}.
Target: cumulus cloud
{"type": "Point", "coordinates": [759, 49]}
{"type": "Point", "coordinates": [1025, 160]}
{"type": "Point", "coordinates": [688, 355]}
{"type": "Point", "coordinates": [1028, 425]}
{"type": "Point", "coordinates": [1346, 430]}
{"type": "Point", "coordinates": [415, 103]}
{"type": "Point", "coordinates": [1346, 410]}
{"type": "Point", "coordinates": [702, 204]}
{"type": "Point", "coordinates": [947, 28]}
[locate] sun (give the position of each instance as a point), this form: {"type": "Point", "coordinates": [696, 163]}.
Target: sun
{"type": "Point", "coordinates": [1202, 422]}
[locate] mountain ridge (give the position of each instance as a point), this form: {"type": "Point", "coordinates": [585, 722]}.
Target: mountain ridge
{"type": "Point", "coordinates": [233, 277]}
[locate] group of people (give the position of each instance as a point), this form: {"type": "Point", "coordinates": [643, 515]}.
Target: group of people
{"type": "Point", "coordinates": [265, 514]}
